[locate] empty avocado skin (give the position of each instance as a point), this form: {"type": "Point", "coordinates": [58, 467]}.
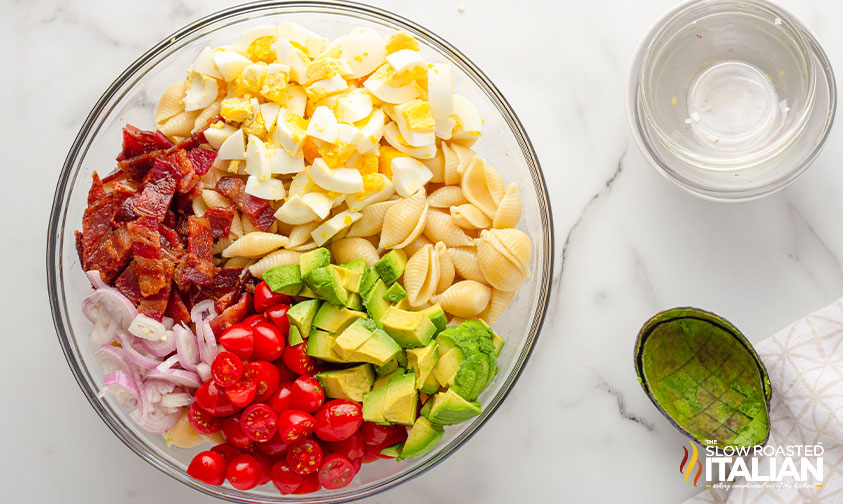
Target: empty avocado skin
{"type": "Point", "coordinates": [703, 375]}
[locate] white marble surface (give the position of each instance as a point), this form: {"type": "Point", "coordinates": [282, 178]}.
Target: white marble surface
{"type": "Point", "coordinates": [577, 426]}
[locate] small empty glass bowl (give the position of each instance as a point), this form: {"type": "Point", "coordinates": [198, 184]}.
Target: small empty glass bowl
{"type": "Point", "coordinates": [132, 98]}
{"type": "Point", "coordinates": [730, 100]}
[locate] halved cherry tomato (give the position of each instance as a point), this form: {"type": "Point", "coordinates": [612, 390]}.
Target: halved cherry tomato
{"type": "Point", "coordinates": [268, 340]}
{"type": "Point", "coordinates": [336, 471]}
{"type": "Point", "coordinates": [277, 314]}
{"type": "Point", "coordinates": [266, 466]}
{"type": "Point", "coordinates": [251, 320]}
{"type": "Point", "coordinates": [354, 447]}
{"type": "Point", "coordinates": [209, 467]}
{"type": "Point", "coordinates": [379, 434]}
{"type": "Point", "coordinates": [294, 425]}
{"type": "Point", "coordinates": [281, 399]}
{"type": "Point", "coordinates": [259, 422]}
{"type": "Point", "coordinates": [227, 450]}
{"type": "Point", "coordinates": [309, 485]}
{"type": "Point", "coordinates": [265, 376]}
{"type": "Point", "coordinates": [304, 456]}
{"type": "Point", "coordinates": [243, 472]}
{"type": "Point", "coordinates": [307, 395]}
{"type": "Point", "coordinates": [243, 392]}
{"type": "Point", "coordinates": [239, 340]}
{"type": "Point", "coordinates": [371, 454]}
{"type": "Point", "coordinates": [284, 479]}
{"type": "Point", "coordinates": [273, 447]}
{"type": "Point", "coordinates": [357, 463]}
{"type": "Point", "coordinates": [226, 369]}
{"type": "Point", "coordinates": [264, 297]}
{"type": "Point", "coordinates": [296, 359]}
{"type": "Point", "coordinates": [233, 433]}
{"type": "Point", "coordinates": [338, 419]}
{"type": "Point", "coordinates": [286, 374]}
{"type": "Point", "coordinates": [202, 421]}
{"type": "Point", "coordinates": [213, 400]}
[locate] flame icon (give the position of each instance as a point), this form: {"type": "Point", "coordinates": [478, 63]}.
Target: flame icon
{"type": "Point", "coordinates": [687, 469]}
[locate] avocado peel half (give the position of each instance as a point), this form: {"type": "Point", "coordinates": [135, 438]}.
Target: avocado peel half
{"type": "Point", "coordinates": [702, 373]}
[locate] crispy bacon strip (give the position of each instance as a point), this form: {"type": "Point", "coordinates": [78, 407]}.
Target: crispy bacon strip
{"type": "Point", "coordinates": [200, 239]}
{"type": "Point", "coordinates": [155, 306]}
{"type": "Point", "coordinates": [260, 212]}
{"type": "Point", "coordinates": [220, 219]}
{"type": "Point", "coordinates": [202, 160]}
{"type": "Point", "coordinates": [127, 284]}
{"type": "Point", "coordinates": [231, 315]}
{"type": "Point", "coordinates": [157, 190]}
{"type": "Point", "coordinates": [154, 271]}
{"type": "Point", "coordinates": [112, 254]}
{"type": "Point", "coordinates": [176, 309]}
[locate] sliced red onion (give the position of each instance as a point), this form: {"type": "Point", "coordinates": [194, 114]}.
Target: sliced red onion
{"type": "Point", "coordinates": [95, 278]}
{"type": "Point", "coordinates": [162, 348]}
{"type": "Point", "coordinates": [168, 322]}
{"type": "Point", "coordinates": [211, 349]}
{"type": "Point", "coordinates": [186, 347]}
{"type": "Point", "coordinates": [156, 419]}
{"type": "Point", "coordinates": [113, 359]}
{"type": "Point", "coordinates": [203, 369]}
{"type": "Point", "coordinates": [104, 332]}
{"type": "Point", "coordinates": [176, 400]}
{"type": "Point", "coordinates": [203, 310]}
{"type": "Point", "coordinates": [107, 303]}
{"type": "Point", "coordinates": [176, 377]}
{"type": "Point", "coordinates": [167, 364]}
{"type": "Point", "coordinates": [133, 355]}
{"type": "Point", "coordinates": [122, 387]}
{"type": "Point", "coordinates": [147, 328]}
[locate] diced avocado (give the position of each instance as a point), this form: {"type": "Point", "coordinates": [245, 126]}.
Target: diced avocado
{"type": "Point", "coordinates": [358, 265]}
{"type": "Point", "coordinates": [335, 319]}
{"type": "Point", "coordinates": [497, 341]}
{"type": "Point", "coordinates": [436, 315]}
{"type": "Point", "coordinates": [284, 279]}
{"type": "Point", "coordinates": [294, 336]}
{"type": "Point", "coordinates": [387, 368]}
{"type": "Point", "coordinates": [430, 385]}
{"type": "Point", "coordinates": [393, 451]}
{"type": "Point", "coordinates": [423, 436]}
{"type": "Point", "coordinates": [425, 409]}
{"type": "Point", "coordinates": [301, 315]}
{"type": "Point", "coordinates": [352, 383]}
{"type": "Point", "coordinates": [355, 302]}
{"type": "Point", "coordinates": [450, 408]}
{"type": "Point", "coordinates": [445, 345]}
{"type": "Point", "coordinates": [395, 293]}
{"type": "Point", "coordinates": [353, 336]}
{"type": "Point", "coordinates": [474, 374]}
{"type": "Point", "coordinates": [408, 329]}
{"type": "Point", "coordinates": [391, 265]}
{"type": "Point", "coordinates": [373, 405]}
{"type": "Point", "coordinates": [399, 405]}
{"type": "Point", "coordinates": [316, 258]}
{"type": "Point", "coordinates": [306, 292]}
{"type": "Point", "coordinates": [449, 363]}
{"type": "Point", "coordinates": [422, 360]}
{"type": "Point", "coordinates": [325, 282]}
{"type": "Point", "coordinates": [375, 304]}
{"type": "Point", "coordinates": [384, 380]}
{"type": "Point", "coordinates": [402, 359]}
{"type": "Point", "coordinates": [320, 345]}
{"type": "Point", "coordinates": [370, 276]}
{"type": "Point", "coordinates": [349, 278]}
{"type": "Point", "coordinates": [377, 350]}
{"type": "Point", "coordinates": [477, 365]}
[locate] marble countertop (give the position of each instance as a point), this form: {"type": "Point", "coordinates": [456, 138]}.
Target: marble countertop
{"type": "Point", "coordinates": [577, 426]}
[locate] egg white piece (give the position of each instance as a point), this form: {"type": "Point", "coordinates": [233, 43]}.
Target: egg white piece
{"type": "Point", "coordinates": [246, 38]}
{"type": "Point", "coordinates": [334, 225]}
{"type": "Point", "coordinates": [270, 189]}
{"type": "Point", "coordinates": [234, 147]}
{"type": "Point", "coordinates": [371, 132]}
{"type": "Point", "coordinates": [295, 100]}
{"type": "Point", "coordinates": [356, 204]}
{"type": "Point", "coordinates": [257, 159]}
{"type": "Point", "coordinates": [295, 211]}
{"type": "Point", "coordinates": [411, 137]}
{"type": "Point", "coordinates": [347, 133]}
{"type": "Point", "coordinates": [469, 122]}
{"type": "Point", "coordinates": [312, 42]}
{"type": "Point", "coordinates": [365, 50]}
{"type": "Point", "coordinates": [323, 125]}
{"type": "Point", "coordinates": [353, 106]}
{"type": "Point", "coordinates": [406, 59]}
{"type": "Point", "coordinates": [301, 184]}
{"type": "Point", "coordinates": [393, 137]}
{"type": "Point", "coordinates": [341, 180]}
{"type": "Point", "coordinates": [293, 57]}
{"type": "Point", "coordinates": [218, 133]}
{"type": "Point", "coordinates": [331, 85]}
{"type": "Point", "coordinates": [285, 136]}
{"type": "Point", "coordinates": [230, 63]}
{"type": "Point", "coordinates": [319, 202]}
{"type": "Point", "coordinates": [204, 64]}
{"type": "Point", "coordinates": [269, 113]}
{"type": "Point", "coordinates": [409, 175]}
{"type": "Point", "coordinates": [283, 163]}
{"type": "Point", "coordinates": [377, 85]}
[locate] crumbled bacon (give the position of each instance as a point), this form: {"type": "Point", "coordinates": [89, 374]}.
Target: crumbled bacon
{"type": "Point", "coordinates": [155, 306]}
{"type": "Point", "coordinates": [225, 282]}
{"type": "Point", "coordinates": [220, 219]}
{"type": "Point", "coordinates": [176, 309]}
{"type": "Point", "coordinates": [97, 191]}
{"type": "Point", "coordinates": [127, 284]}
{"type": "Point", "coordinates": [231, 315]}
{"type": "Point", "coordinates": [96, 224]}
{"type": "Point", "coordinates": [137, 142]}
{"type": "Point", "coordinates": [157, 190]}
{"type": "Point", "coordinates": [112, 254]}
{"type": "Point", "coordinates": [259, 210]}
{"type": "Point", "coordinates": [154, 271]}
{"type": "Point", "coordinates": [202, 159]}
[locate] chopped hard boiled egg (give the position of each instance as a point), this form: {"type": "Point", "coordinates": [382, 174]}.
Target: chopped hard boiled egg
{"type": "Point", "coordinates": [296, 100]}
{"type": "Point", "coordinates": [294, 58]}
{"type": "Point", "coordinates": [218, 132]}
{"type": "Point", "coordinates": [295, 211]}
{"type": "Point", "coordinates": [409, 175]}
{"type": "Point", "coordinates": [334, 225]}
{"type": "Point", "coordinates": [323, 125]}
{"type": "Point", "coordinates": [268, 189]}
{"type": "Point", "coordinates": [394, 138]}
{"type": "Point", "coordinates": [378, 85]}
{"type": "Point", "coordinates": [234, 147]}
{"type": "Point", "coordinates": [290, 130]}
{"type": "Point", "coordinates": [415, 122]}
{"type": "Point", "coordinates": [440, 91]}
{"type": "Point", "coordinates": [201, 91]}
{"type": "Point", "coordinates": [406, 59]}
{"type": "Point", "coordinates": [376, 187]}
{"type": "Point", "coordinates": [468, 121]}
{"type": "Point", "coordinates": [319, 202]}
{"type": "Point", "coordinates": [312, 42]}
{"type": "Point", "coordinates": [364, 49]}
{"type": "Point", "coordinates": [230, 63]}
{"type": "Point", "coordinates": [282, 163]}
{"type": "Point", "coordinates": [246, 38]}
{"type": "Point", "coordinates": [269, 113]}
{"type": "Point", "coordinates": [340, 180]}
{"type": "Point", "coordinates": [257, 159]}
{"type": "Point", "coordinates": [371, 132]}
{"type": "Point", "coordinates": [204, 64]}
{"type": "Point", "coordinates": [326, 87]}
{"type": "Point", "coordinates": [353, 106]}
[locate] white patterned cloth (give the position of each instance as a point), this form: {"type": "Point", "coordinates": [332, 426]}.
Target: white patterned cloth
{"type": "Point", "coordinates": [805, 364]}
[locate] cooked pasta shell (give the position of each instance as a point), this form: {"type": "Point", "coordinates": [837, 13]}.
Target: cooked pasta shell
{"type": "Point", "coordinates": [171, 103]}
{"type": "Point", "coordinates": [371, 220]}
{"type": "Point", "coordinates": [446, 197]}
{"type": "Point", "coordinates": [211, 178]}
{"type": "Point", "coordinates": [277, 258]}
{"type": "Point", "coordinates": [214, 199]}
{"type": "Point", "coordinates": [238, 262]}
{"type": "Point", "coordinates": [300, 234]}
{"type": "Point", "coordinates": [273, 228]}
{"type": "Point", "coordinates": [421, 276]}
{"type": "Point", "coordinates": [446, 267]}
{"type": "Point", "coordinates": [404, 221]}
{"type": "Point", "coordinates": [517, 246]}
{"type": "Point", "coordinates": [465, 263]}
{"type": "Point", "coordinates": [464, 156]}
{"type": "Point", "coordinates": [222, 244]}
{"type": "Point", "coordinates": [199, 207]}
{"type": "Point", "coordinates": [304, 247]}
{"type": "Point", "coordinates": [248, 227]}
{"type": "Point", "coordinates": [498, 303]}
{"type": "Point", "coordinates": [496, 266]}
{"type": "Point", "coordinates": [206, 116]}
{"type": "Point", "coordinates": [348, 249]}
{"type": "Point", "coordinates": [179, 125]}
{"type": "Point", "coordinates": [483, 186]}
{"type": "Point", "coordinates": [509, 210]}
{"type": "Point", "coordinates": [451, 174]}
{"type": "Point", "coordinates": [464, 299]}
{"type": "Point", "coordinates": [468, 216]}
{"type": "Point", "coordinates": [436, 165]}
{"type": "Point", "coordinates": [255, 244]}
{"type": "Point", "coordinates": [416, 245]}
{"type": "Point", "coordinates": [440, 227]}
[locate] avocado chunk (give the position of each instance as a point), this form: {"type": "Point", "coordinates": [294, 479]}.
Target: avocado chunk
{"type": "Point", "coordinates": [422, 360]}
{"type": "Point", "coordinates": [391, 266]}
{"type": "Point", "coordinates": [402, 359]}
{"type": "Point", "coordinates": [474, 375]}
{"type": "Point", "coordinates": [320, 345]}
{"type": "Point", "coordinates": [423, 436]}
{"type": "Point", "coordinates": [355, 302]}
{"type": "Point", "coordinates": [353, 336]}
{"type": "Point", "coordinates": [373, 405]}
{"type": "Point", "coordinates": [446, 368]}
{"type": "Point", "coordinates": [399, 405]}
{"type": "Point", "coordinates": [284, 279]}
{"type": "Point", "coordinates": [294, 336]}
{"type": "Point", "coordinates": [425, 409]}
{"type": "Point", "coordinates": [383, 381]}
{"type": "Point", "coordinates": [408, 329]}
{"type": "Point", "coordinates": [335, 319]}
{"type": "Point", "coordinates": [370, 276]}
{"type": "Point", "coordinates": [326, 283]}
{"type": "Point", "coordinates": [450, 408]}
{"type": "Point", "coordinates": [352, 383]}
{"type": "Point", "coordinates": [307, 292]}
{"type": "Point", "coordinates": [436, 315]}
{"type": "Point", "coordinates": [395, 293]}
{"type": "Point", "coordinates": [316, 258]}
{"type": "Point", "coordinates": [430, 385]}
{"type": "Point", "coordinates": [387, 368]}
{"type": "Point", "coordinates": [377, 350]}
{"type": "Point", "coordinates": [349, 278]}
{"type": "Point", "coordinates": [393, 451]}
{"type": "Point", "coordinates": [374, 302]}
{"type": "Point", "coordinates": [476, 363]}
{"type": "Point", "coordinates": [301, 315]}
{"type": "Point", "coordinates": [497, 341]}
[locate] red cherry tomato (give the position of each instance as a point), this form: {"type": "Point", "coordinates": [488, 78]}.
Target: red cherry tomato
{"type": "Point", "coordinates": [286, 374]}
{"type": "Point", "coordinates": [227, 450]}
{"type": "Point", "coordinates": [294, 425]}
{"type": "Point", "coordinates": [307, 395]}
{"type": "Point", "coordinates": [239, 340]}
{"type": "Point", "coordinates": [264, 297]}
{"type": "Point", "coordinates": [277, 314]}
{"type": "Point", "coordinates": [202, 421]}
{"type": "Point", "coordinates": [251, 320]}
{"type": "Point", "coordinates": [354, 447]}
{"type": "Point", "coordinates": [284, 479]}
{"type": "Point", "coordinates": [336, 471]}
{"type": "Point", "coordinates": [379, 434]}
{"type": "Point", "coordinates": [269, 342]}
{"type": "Point", "coordinates": [296, 359]}
{"type": "Point", "coordinates": [242, 393]}
{"type": "Point", "coordinates": [233, 433]}
{"type": "Point", "coordinates": [209, 467]}
{"type": "Point", "coordinates": [265, 464]}
{"type": "Point", "coordinates": [309, 485]}
{"type": "Point", "coordinates": [357, 463]}
{"type": "Point", "coordinates": [265, 376]}
{"type": "Point", "coordinates": [226, 369]}
{"type": "Point", "coordinates": [273, 447]}
{"type": "Point", "coordinates": [304, 456]}
{"type": "Point", "coordinates": [370, 454]}
{"type": "Point", "coordinates": [243, 472]}
{"type": "Point", "coordinates": [259, 422]}
{"type": "Point", "coordinates": [282, 399]}
{"type": "Point", "coordinates": [213, 400]}
{"type": "Point", "coordinates": [338, 420]}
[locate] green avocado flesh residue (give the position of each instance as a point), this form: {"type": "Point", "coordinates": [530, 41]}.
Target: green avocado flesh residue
{"type": "Point", "coordinates": [706, 381]}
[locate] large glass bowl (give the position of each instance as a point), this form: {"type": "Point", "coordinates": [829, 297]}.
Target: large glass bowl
{"type": "Point", "coordinates": [132, 98]}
